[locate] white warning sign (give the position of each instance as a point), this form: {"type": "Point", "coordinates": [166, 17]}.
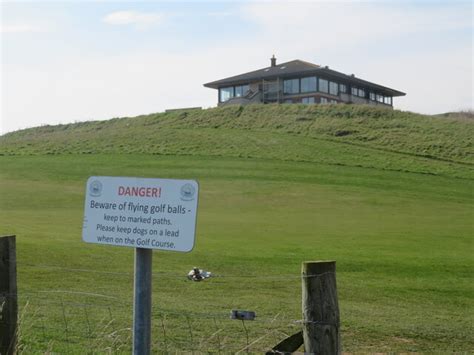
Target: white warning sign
{"type": "Point", "coordinates": [141, 212]}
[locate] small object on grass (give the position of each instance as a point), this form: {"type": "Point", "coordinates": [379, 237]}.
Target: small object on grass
{"type": "Point", "coordinates": [197, 274]}
{"type": "Point", "coordinates": [242, 315]}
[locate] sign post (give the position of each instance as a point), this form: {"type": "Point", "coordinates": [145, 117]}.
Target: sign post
{"type": "Point", "coordinates": [144, 214]}
{"type": "Point", "coordinates": [142, 302]}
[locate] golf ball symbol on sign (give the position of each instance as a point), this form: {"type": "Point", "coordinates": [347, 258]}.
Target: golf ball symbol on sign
{"type": "Point", "coordinates": [95, 188]}
{"type": "Point", "coordinates": [187, 192]}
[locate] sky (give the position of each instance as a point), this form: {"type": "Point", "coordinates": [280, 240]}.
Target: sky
{"type": "Point", "coordinates": [70, 61]}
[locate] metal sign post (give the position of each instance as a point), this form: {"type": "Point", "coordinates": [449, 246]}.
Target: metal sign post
{"type": "Point", "coordinates": [142, 302]}
{"type": "Point", "coordinates": [145, 214]}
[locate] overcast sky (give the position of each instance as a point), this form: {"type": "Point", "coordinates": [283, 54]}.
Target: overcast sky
{"type": "Point", "coordinates": [67, 61]}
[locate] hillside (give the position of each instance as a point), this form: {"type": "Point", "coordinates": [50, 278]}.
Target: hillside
{"type": "Point", "coordinates": [387, 194]}
{"type": "Point", "coordinates": [343, 135]}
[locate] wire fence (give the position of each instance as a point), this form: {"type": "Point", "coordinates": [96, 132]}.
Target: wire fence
{"type": "Point", "coordinates": [93, 321]}
{"type": "Point", "coordinates": [170, 275]}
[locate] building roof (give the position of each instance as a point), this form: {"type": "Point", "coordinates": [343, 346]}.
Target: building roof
{"type": "Point", "coordinates": [299, 68]}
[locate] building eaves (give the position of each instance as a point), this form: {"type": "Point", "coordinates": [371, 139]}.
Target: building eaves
{"type": "Point", "coordinates": [280, 70]}
{"type": "Point", "coordinates": [357, 81]}
{"type": "Point", "coordinates": [299, 68]}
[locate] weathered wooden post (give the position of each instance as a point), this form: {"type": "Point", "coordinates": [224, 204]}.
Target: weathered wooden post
{"type": "Point", "coordinates": [320, 308]}
{"type": "Point", "coordinates": [8, 296]}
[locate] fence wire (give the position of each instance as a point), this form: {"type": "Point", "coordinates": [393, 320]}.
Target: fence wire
{"type": "Point", "coordinates": [65, 327]}
{"type": "Point", "coordinates": [92, 321]}
{"type": "Point", "coordinates": [171, 275]}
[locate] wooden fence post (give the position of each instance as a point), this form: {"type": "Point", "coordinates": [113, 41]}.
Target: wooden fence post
{"type": "Point", "coordinates": [8, 296]}
{"type": "Point", "coordinates": [320, 308]}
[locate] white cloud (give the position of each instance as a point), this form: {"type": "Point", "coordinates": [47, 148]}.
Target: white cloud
{"type": "Point", "coordinates": [140, 19]}
{"type": "Point", "coordinates": [335, 24]}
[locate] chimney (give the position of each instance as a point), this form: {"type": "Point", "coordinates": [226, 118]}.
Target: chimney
{"type": "Point", "coordinates": [273, 61]}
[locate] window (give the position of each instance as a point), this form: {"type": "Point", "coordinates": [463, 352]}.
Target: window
{"type": "Point", "coordinates": [342, 88]}
{"type": "Point", "coordinates": [357, 91]}
{"type": "Point", "coordinates": [241, 90]}
{"type": "Point", "coordinates": [334, 101]}
{"type": "Point", "coordinates": [324, 100]}
{"type": "Point", "coordinates": [388, 100]}
{"type": "Point", "coordinates": [372, 96]}
{"type": "Point", "coordinates": [226, 93]}
{"type": "Point", "coordinates": [323, 85]}
{"type": "Point", "coordinates": [291, 86]}
{"type": "Point", "coordinates": [238, 91]}
{"type": "Point", "coordinates": [288, 101]}
{"type": "Point", "coordinates": [308, 84]}
{"type": "Point", "coordinates": [308, 100]}
{"type": "Point", "coordinates": [379, 98]}
{"type": "Point", "coordinates": [333, 88]}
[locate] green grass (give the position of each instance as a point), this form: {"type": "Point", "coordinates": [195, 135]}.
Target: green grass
{"type": "Point", "coordinates": [397, 219]}
{"type": "Point", "coordinates": [403, 245]}
{"type": "Point", "coordinates": [341, 134]}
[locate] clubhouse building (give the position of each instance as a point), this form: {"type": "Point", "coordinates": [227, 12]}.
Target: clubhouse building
{"type": "Point", "coordinates": [300, 82]}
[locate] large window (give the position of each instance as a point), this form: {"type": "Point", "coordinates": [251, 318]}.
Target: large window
{"type": "Point", "coordinates": [379, 98]}
{"type": "Point", "coordinates": [226, 93]}
{"type": "Point", "coordinates": [324, 100]}
{"type": "Point", "coordinates": [323, 85]}
{"type": "Point", "coordinates": [308, 100]}
{"type": "Point", "coordinates": [308, 84]}
{"type": "Point", "coordinates": [342, 88]}
{"type": "Point", "coordinates": [358, 91]}
{"type": "Point", "coordinates": [388, 100]}
{"type": "Point", "coordinates": [333, 88]}
{"type": "Point", "coordinates": [291, 86]}
{"type": "Point", "coordinates": [241, 90]}
{"type": "Point", "coordinates": [372, 96]}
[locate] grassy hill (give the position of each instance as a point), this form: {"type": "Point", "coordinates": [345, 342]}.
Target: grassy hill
{"type": "Point", "coordinates": [343, 134]}
{"type": "Point", "coordinates": [387, 194]}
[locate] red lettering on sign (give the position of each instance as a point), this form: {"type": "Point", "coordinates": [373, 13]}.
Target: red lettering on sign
{"type": "Point", "coordinates": [139, 191]}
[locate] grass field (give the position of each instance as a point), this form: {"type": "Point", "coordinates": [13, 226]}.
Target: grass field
{"type": "Point", "coordinates": [399, 223]}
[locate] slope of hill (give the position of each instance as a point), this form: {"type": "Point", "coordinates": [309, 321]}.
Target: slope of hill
{"type": "Point", "coordinates": [387, 194]}
{"type": "Point", "coordinates": [334, 134]}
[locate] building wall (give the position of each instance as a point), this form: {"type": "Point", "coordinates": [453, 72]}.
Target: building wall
{"type": "Point", "coordinates": [276, 94]}
{"type": "Point", "coordinates": [355, 99]}
{"type": "Point", "coordinates": [361, 101]}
